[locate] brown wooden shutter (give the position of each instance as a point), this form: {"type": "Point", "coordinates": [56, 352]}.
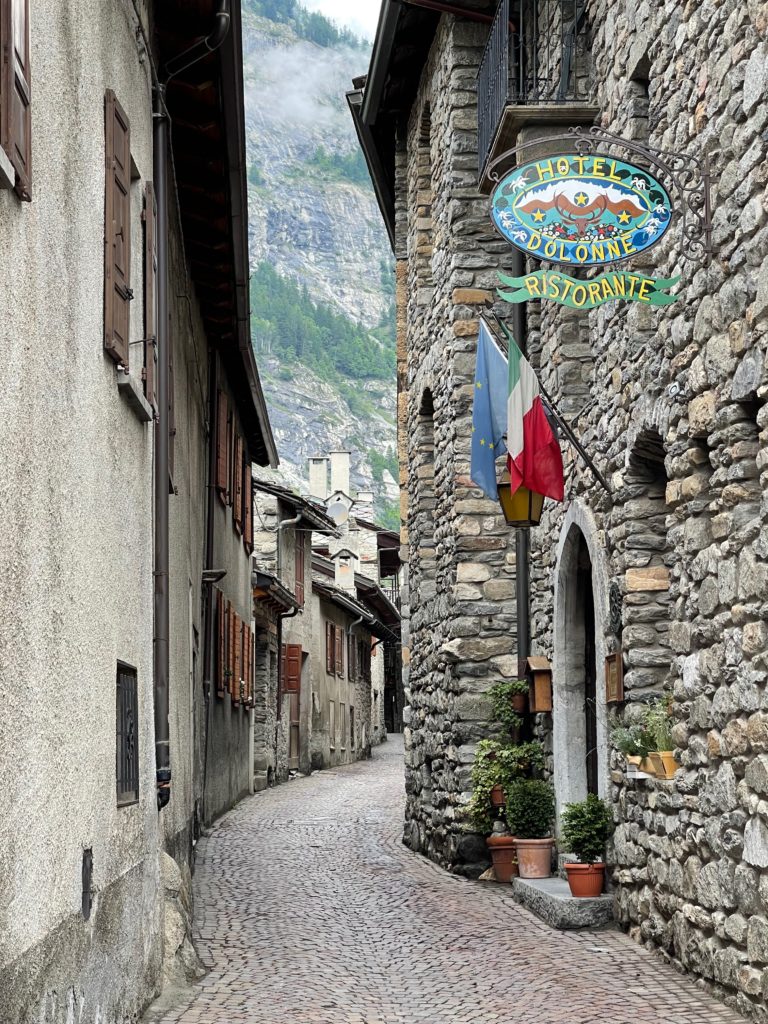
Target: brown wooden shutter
{"type": "Point", "coordinates": [330, 647]}
{"type": "Point", "coordinates": [248, 507]}
{"type": "Point", "coordinates": [234, 689]}
{"type": "Point", "coordinates": [299, 565]}
{"type": "Point", "coordinates": [150, 294]}
{"type": "Point", "coordinates": [249, 666]}
{"type": "Point", "coordinates": [16, 93]}
{"type": "Point", "coordinates": [117, 231]}
{"type": "Point", "coordinates": [237, 476]}
{"type": "Point", "coordinates": [292, 668]}
{"type": "Point", "coordinates": [221, 653]}
{"type": "Point", "coordinates": [222, 435]}
{"type": "Point", "coordinates": [339, 651]}
{"type": "Point", "coordinates": [281, 680]}
{"type": "Point", "coordinates": [230, 455]}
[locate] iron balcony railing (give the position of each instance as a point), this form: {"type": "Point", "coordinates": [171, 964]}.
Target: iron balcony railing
{"type": "Point", "coordinates": [537, 53]}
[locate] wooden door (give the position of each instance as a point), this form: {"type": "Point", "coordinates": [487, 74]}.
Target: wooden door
{"type": "Point", "coordinates": [292, 687]}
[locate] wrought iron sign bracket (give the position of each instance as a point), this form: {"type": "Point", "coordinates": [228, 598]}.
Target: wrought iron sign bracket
{"type": "Point", "coordinates": [688, 177]}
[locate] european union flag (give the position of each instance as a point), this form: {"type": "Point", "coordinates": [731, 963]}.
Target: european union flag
{"type": "Point", "coordinates": [489, 412]}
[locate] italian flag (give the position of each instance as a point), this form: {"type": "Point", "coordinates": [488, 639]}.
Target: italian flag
{"type": "Point", "coordinates": [534, 458]}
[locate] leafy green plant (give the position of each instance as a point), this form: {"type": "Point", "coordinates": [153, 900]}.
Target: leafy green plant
{"type": "Point", "coordinates": [659, 722]}
{"type": "Point", "coordinates": [634, 741]}
{"type": "Point", "coordinates": [530, 808]}
{"type": "Point", "coordinates": [587, 826]}
{"type": "Point", "coordinates": [501, 701]}
{"type": "Point", "coordinates": [499, 764]}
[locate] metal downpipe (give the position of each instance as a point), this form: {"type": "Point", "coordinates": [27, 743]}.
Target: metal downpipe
{"type": "Point", "coordinates": [522, 536]}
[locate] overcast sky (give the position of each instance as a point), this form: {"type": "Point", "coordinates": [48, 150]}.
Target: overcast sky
{"type": "Point", "coordinates": [360, 15]}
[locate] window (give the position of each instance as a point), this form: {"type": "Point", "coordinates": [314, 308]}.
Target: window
{"type": "Point", "coordinates": [352, 728]}
{"type": "Point", "coordinates": [127, 736]}
{"type": "Point", "coordinates": [117, 230]}
{"type": "Point", "coordinates": [330, 648]}
{"type": "Point", "coordinates": [299, 566]}
{"type": "Point", "coordinates": [222, 446]}
{"type": "Point", "coordinates": [343, 725]}
{"type": "Point", "coordinates": [339, 650]}
{"type": "Point", "coordinates": [15, 93]}
{"type": "Point", "coordinates": [332, 723]}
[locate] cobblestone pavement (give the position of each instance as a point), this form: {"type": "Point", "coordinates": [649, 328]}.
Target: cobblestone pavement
{"type": "Point", "coordinates": [310, 910]}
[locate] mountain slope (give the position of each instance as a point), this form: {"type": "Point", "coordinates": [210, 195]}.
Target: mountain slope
{"type": "Point", "coordinates": [315, 228]}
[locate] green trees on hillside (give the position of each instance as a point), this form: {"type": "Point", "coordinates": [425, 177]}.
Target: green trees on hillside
{"type": "Point", "coordinates": [286, 322]}
{"type": "Point", "coordinates": [340, 166]}
{"type": "Point", "coordinates": [307, 24]}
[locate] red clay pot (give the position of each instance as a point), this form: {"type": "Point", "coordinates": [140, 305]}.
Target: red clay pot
{"type": "Point", "coordinates": [534, 857]}
{"type": "Point", "coordinates": [519, 701]}
{"type": "Point", "coordinates": [585, 879]}
{"type": "Point", "coordinates": [503, 856]}
{"type": "Point", "coordinates": [497, 796]}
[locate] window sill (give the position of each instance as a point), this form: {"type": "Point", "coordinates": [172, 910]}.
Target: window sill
{"type": "Point", "coordinates": [7, 173]}
{"type": "Point", "coordinates": [133, 393]}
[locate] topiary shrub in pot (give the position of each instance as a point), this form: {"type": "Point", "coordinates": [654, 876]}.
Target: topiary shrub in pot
{"type": "Point", "coordinates": [586, 828]}
{"type": "Point", "coordinates": [530, 815]}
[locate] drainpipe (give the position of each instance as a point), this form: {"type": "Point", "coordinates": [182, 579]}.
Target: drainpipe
{"type": "Point", "coordinates": [280, 527]}
{"type": "Point", "coordinates": [522, 536]}
{"type": "Point", "coordinates": [161, 601]}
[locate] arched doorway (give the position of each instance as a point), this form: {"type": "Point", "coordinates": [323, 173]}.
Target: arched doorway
{"type": "Point", "coordinates": [579, 714]}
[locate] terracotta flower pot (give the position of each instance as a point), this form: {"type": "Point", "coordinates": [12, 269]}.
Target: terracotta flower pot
{"type": "Point", "coordinates": [534, 857]}
{"type": "Point", "coordinates": [664, 763]}
{"type": "Point", "coordinates": [585, 879]}
{"type": "Point", "coordinates": [503, 856]}
{"type": "Point", "coordinates": [519, 701]}
{"type": "Point", "coordinates": [497, 796]}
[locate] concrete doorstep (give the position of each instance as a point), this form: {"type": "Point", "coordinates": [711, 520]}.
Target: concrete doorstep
{"type": "Point", "coordinates": [551, 900]}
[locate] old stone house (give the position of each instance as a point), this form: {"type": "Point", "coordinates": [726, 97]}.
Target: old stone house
{"type": "Point", "coordinates": [124, 333]}
{"type": "Point", "coordinates": [667, 567]}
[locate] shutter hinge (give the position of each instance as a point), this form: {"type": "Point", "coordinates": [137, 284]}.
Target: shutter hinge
{"type": "Point", "coordinates": [129, 294]}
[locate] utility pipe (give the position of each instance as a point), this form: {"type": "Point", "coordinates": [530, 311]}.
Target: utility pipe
{"type": "Point", "coordinates": [280, 527]}
{"type": "Point", "coordinates": [162, 474]}
{"type": "Point", "coordinates": [522, 536]}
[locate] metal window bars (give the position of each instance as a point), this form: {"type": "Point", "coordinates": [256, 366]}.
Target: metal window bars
{"type": "Point", "coordinates": [127, 736]}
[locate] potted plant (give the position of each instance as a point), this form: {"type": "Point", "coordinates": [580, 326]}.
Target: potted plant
{"type": "Point", "coordinates": [509, 702]}
{"type": "Point", "coordinates": [502, 848]}
{"type": "Point", "coordinates": [530, 814]}
{"type": "Point", "coordinates": [497, 764]}
{"type": "Point", "coordinates": [635, 743]}
{"type": "Point", "coordinates": [659, 725]}
{"type": "Point", "coordinates": [587, 826]}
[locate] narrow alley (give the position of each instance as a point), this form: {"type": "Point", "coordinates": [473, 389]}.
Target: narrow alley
{"type": "Point", "coordinates": [310, 909]}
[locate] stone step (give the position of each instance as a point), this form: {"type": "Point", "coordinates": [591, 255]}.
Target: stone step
{"type": "Point", "coordinates": [551, 900]}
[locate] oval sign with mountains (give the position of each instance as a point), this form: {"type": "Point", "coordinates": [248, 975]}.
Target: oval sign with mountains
{"type": "Point", "coordinates": [581, 210]}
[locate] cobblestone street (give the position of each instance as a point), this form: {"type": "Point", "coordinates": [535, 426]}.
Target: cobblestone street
{"type": "Point", "coordinates": [309, 909]}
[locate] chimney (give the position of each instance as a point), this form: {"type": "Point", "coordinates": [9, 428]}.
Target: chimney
{"type": "Point", "coordinates": [339, 471]}
{"type": "Point", "coordinates": [364, 506]}
{"type": "Point", "coordinates": [344, 565]}
{"type": "Point", "coordinates": [318, 477]}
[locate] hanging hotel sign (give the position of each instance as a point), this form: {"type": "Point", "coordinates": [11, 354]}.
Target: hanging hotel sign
{"type": "Point", "coordinates": [567, 291]}
{"type": "Point", "coordinates": [581, 210]}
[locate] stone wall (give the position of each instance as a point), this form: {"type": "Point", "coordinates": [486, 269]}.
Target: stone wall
{"type": "Point", "coordinates": [458, 610]}
{"type": "Point", "coordinates": [669, 402]}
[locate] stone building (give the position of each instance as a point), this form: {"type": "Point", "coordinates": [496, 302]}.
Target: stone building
{"type": "Point", "coordinates": [670, 567]}
{"type": "Point", "coordinates": [124, 325]}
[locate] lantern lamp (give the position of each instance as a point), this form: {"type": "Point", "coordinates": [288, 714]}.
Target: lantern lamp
{"type": "Point", "coordinates": [521, 509]}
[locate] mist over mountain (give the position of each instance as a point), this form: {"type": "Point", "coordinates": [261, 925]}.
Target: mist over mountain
{"type": "Point", "coordinates": [322, 281]}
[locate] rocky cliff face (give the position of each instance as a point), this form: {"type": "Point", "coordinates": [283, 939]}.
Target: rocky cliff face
{"type": "Point", "coordinates": [314, 218]}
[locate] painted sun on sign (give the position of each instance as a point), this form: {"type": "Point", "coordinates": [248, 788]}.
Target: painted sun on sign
{"type": "Point", "coordinates": [581, 210]}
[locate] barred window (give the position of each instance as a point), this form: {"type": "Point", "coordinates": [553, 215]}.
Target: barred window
{"type": "Point", "coordinates": [127, 735]}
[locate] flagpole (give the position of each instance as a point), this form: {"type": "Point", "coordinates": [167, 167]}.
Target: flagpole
{"type": "Point", "coordinates": [561, 422]}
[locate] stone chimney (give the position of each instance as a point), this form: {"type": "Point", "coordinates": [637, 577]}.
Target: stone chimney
{"type": "Point", "coordinates": [339, 471]}
{"type": "Point", "coordinates": [363, 508]}
{"type": "Point", "coordinates": [318, 477]}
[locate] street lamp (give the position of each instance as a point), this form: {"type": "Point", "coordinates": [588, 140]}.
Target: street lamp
{"type": "Point", "coordinates": [521, 509]}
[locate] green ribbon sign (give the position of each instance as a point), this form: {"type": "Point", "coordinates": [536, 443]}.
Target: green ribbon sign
{"type": "Point", "coordinates": [567, 291]}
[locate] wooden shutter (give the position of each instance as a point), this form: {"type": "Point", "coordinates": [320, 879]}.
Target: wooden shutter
{"type": "Point", "coordinates": [281, 680]}
{"type": "Point", "coordinates": [234, 688]}
{"type": "Point", "coordinates": [293, 654]}
{"type": "Point", "coordinates": [117, 231]}
{"type": "Point", "coordinates": [330, 647]}
{"type": "Point", "coordinates": [222, 436]}
{"type": "Point", "coordinates": [150, 294]}
{"type": "Point", "coordinates": [237, 476]}
{"type": "Point", "coordinates": [230, 457]}
{"type": "Point", "coordinates": [16, 93]}
{"type": "Point", "coordinates": [249, 663]}
{"type": "Point", "coordinates": [243, 691]}
{"type": "Point", "coordinates": [248, 506]}
{"type": "Point", "coordinates": [299, 565]}
{"type": "Point", "coordinates": [339, 651]}
{"type": "Point", "coordinates": [221, 652]}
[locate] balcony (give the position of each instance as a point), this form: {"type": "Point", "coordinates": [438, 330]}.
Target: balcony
{"type": "Point", "coordinates": [536, 70]}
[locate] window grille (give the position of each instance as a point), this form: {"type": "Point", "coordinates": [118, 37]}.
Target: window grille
{"type": "Point", "coordinates": [127, 736]}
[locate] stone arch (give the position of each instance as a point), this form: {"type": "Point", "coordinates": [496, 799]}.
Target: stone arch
{"type": "Point", "coordinates": [426, 503]}
{"type": "Point", "coordinates": [581, 584]}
